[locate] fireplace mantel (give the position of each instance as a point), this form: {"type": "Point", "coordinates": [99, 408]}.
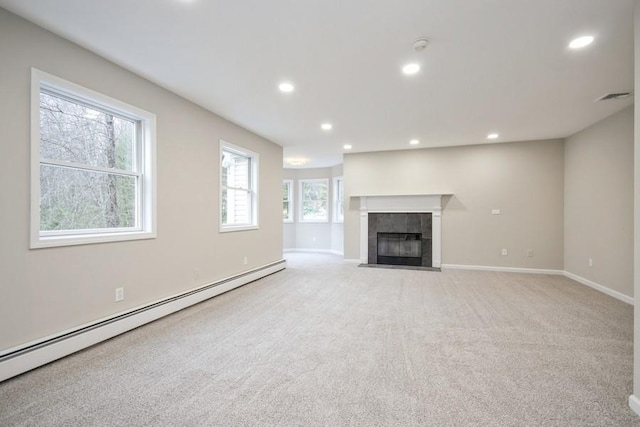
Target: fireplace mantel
{"type": "Point", "coordinates": [425, 203]}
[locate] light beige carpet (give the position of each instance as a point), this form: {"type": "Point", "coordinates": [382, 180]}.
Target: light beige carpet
{"type": "Point", "coordinates": [328, 343]}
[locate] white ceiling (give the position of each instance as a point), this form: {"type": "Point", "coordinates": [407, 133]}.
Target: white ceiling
{"type": "Point", "coordinates": [492, 65]}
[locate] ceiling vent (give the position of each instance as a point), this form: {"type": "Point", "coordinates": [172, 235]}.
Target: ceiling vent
{"type": "Point", "coordinates": [614, 95]}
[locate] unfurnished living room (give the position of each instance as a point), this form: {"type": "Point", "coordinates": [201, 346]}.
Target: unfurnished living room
{"type": "Point", "coordinates": [418, 212]}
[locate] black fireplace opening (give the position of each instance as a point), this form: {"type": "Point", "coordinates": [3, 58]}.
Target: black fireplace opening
{"type": "Point", "coordinates": [400, 249]}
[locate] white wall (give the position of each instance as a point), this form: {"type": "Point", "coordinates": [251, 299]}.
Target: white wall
{"type": "Point", "coordinates": [598, 222]}
{"type": "Point", "coordinates": [525, 180]}
{"type": "Point", "coordinates": [313, 236]}
{"type": "Point", "coordinates": [45, 291]}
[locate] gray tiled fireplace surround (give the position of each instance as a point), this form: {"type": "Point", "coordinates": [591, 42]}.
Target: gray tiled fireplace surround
{"type": "Point", "coordinates": [400, 223]}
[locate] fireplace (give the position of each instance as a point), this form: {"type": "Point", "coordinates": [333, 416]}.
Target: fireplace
{"type": "Point", "coordinates": [400, 248]}
{"type": "Point", "coordinates": [403, 208]}
{"type": "Point", "coordinates": [397, 238]}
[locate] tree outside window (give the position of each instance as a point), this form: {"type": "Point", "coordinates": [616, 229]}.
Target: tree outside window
{"type": "Point", "coordinates": [87, 174]}
{"type": "Point", "coordinates": [314, 196]}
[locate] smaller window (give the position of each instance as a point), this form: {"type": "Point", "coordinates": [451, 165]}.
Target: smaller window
{"type": "Point", "coordinates": [338, 199]}
{"type": "Point", "coordinates": [287, 200]}
{"type": "Point", "coordinates": [314, 200]}
{"type": "Point", "coordinates": [238, 188]}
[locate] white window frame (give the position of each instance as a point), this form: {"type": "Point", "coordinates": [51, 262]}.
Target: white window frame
{"type": "Point", "coordinates": [301, 201]}
{"type": "Point", "coordinates": [144, 168]}
{"type": "Point", "coordinates": [253, 183]}
{"type": "Point", "coordinates": [337, 218]}
{"type": "Point", "coordinates": [291, 216]}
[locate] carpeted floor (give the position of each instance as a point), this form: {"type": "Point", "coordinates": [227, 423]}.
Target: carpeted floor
{"type": "Point", "coordinates": [328, 343]}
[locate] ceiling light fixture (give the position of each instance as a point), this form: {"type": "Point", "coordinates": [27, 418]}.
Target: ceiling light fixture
{"type": "Point", "coordinates": [326, 126]}
{"type": "Point", "coordinates": [420, 44]}
{"type": "Point", "coordinates": [286, 87]}
{"type": "Point", "coordinates": [347, 146]}
{"type": "Point", "coordinates": [493, 136]}
{"type": "Point", "coordinates": [410, 69]}
{"type": "Point", "coordinates": [296, 162]}
{"type": "Point", "coordinates": [414, 142]}
{"type": "Point", "coordinates": [581, 42]}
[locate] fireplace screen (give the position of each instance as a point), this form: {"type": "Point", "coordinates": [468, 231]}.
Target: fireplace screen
{"type": "Point", "coordinates": [400, 248]}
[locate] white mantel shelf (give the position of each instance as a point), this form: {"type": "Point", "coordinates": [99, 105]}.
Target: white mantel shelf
{"type": "Point", "coordinates": [402, 195]}
{"type": "Point", "coordinates": [392, 203]}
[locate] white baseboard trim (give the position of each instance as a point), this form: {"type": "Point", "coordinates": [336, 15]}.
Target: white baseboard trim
{"type": "Point", "coordinates": [318, 251]}
{"type": "Point", "coordinates": [502, 269]}
{"type": "Point", "coordinates": [18, 360]}
{"type": "Point", "coordinates": [634, 404]}
{"type": "Point", "coordinates": [581, 280]}
{"type": "Point", "coordinates": [598, 287]}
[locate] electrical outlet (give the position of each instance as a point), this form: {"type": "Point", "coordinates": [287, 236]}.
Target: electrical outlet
{"type": "Point", "coordinates": [529, 252]}
{"type": "Point", "coordinates": [504, 252]}
{"type": "Point", "coordinates": [246, 260]}
{"type": "Point", "coordinates": [590, 262]}
{"type": "Point", "coordinates": [119, 294]}
{"type": "Point", "coordinates": [495, 211]}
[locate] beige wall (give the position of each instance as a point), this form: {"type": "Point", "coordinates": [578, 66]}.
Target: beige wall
{"type": "Point", "coordinates": [46, 291]}
{"type": "Point", "coordinates": [524, 180]}
{"type": "Point", "coordinates": [599, 203]}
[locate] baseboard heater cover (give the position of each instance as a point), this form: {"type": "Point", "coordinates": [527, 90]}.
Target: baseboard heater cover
{"type": "Point", "coordinates": [24, 358]}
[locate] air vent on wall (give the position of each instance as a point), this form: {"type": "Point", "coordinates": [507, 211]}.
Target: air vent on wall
{"type": "Point", "coordinates": [614, 95]}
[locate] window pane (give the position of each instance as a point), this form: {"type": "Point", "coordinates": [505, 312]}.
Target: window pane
{"type": "Point", "coordinates": [235, 170]}
{"type": "Point", "coordinates": [72, 199]}
{"type": "Point", "coordinates": [315, 210]}
{"type": "Point", "coordinates": [339, 200]}
{"type": "Point", "coordinates": [285, 210]}
{"type": "Point", "coordinates": [76, 133]}
{"type": "Point", "coordinates": [314, 201]}
{"type": "Point", "coordinates": [236, 207]}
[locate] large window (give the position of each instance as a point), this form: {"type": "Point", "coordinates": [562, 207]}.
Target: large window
{"type": "Point", "coordinates": [314, 200]}
{"type": "Point", "coordinates": [239, 188]}
{"type": "Point", "coordinates": [92, 166]}
{"type": "Point", "coordinates": [338, 199]}
{"type": "Point", "coordinates": [287, 200]}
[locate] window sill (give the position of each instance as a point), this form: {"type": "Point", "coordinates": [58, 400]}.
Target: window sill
{"type": "Point", "coordinates": [229, 229]}
{"type": "Point", "coordinates": [88, 239]}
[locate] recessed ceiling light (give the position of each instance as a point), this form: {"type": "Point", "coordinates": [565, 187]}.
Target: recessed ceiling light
{"type": "Point", "coordinates": [411, 69]}
{"type": "Point", "coordinates": [286, 87]}
{"type": "Point", "coordinates": [326, 126]}
{"type": "Point", "coordinates": [492, 136]}
{"type": "Point", "coordinates": [414, 142]}
{"type": "Point", "coordinates": [581, 42]}
{"type": "Point", "coordinates": [347, 146]}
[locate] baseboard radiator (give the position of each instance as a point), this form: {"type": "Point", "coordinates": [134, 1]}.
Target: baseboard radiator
{"type": "Point", "coordinates": [26, 357]}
